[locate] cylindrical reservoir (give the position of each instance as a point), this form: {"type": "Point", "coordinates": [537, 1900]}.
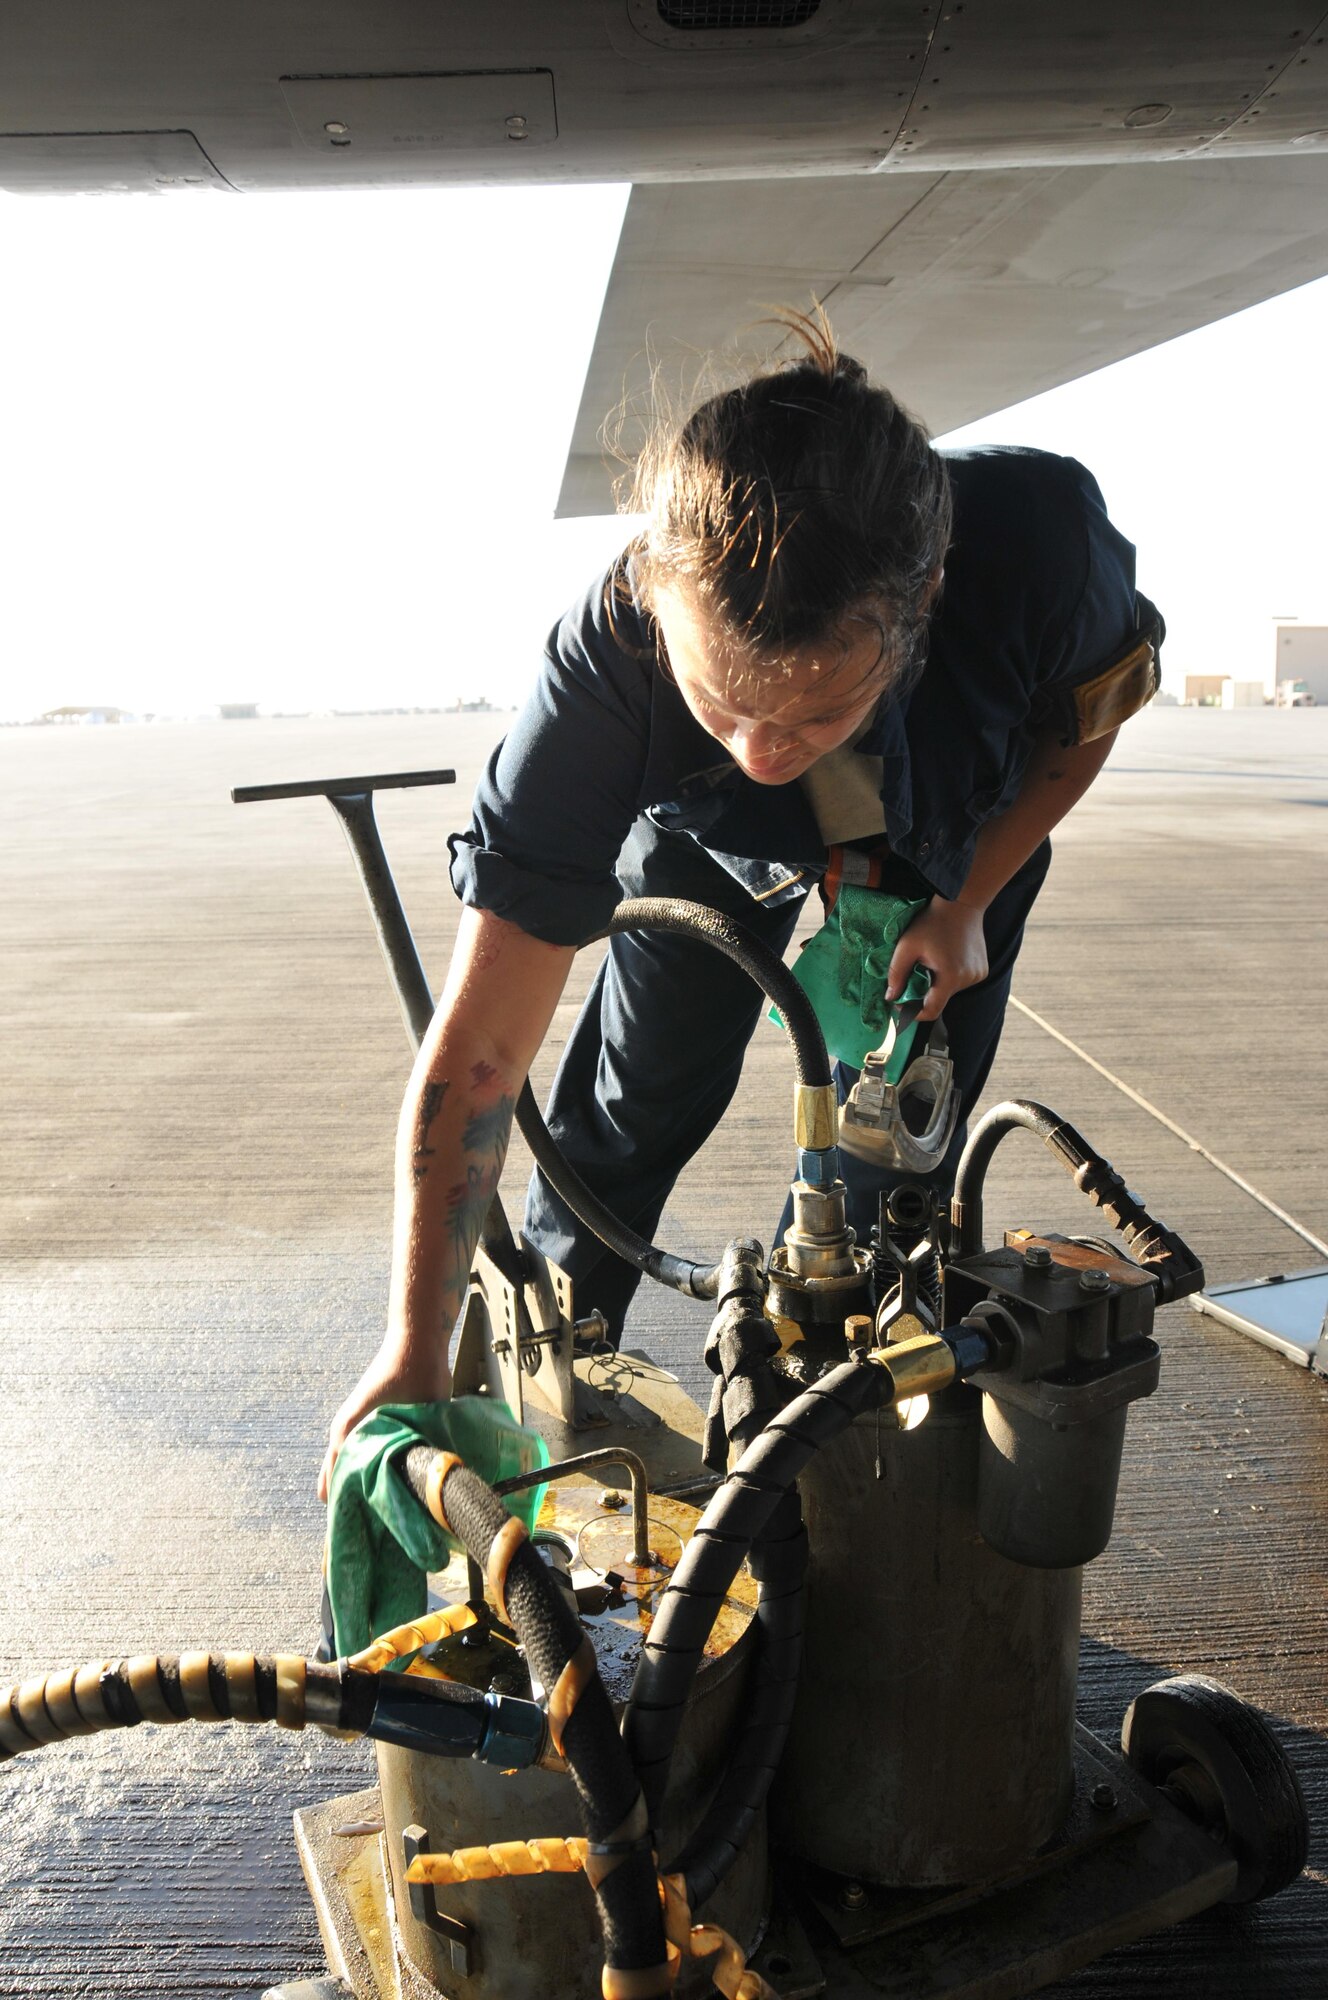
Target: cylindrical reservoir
{"type": "Point", "coordinates": [536, 1937]}
{"type": "Point", "coordinates": [933, 1737]}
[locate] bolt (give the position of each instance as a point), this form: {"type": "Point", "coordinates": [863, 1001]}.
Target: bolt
{"type": "Point", "coordinates": [1102, 1798]}
{"type": "Point", "coordinates": [858, 1329]}
{"type": "Point", "coordinates": [852, 1896]}
{"type": "Point", "coordinates": [335, 129]}
{"type": "Point", "coordinates": [611, 1498]}
{"type": "Point", "coordinates": [1037, 1257]}
{"type": "Point", "coordinates": [1094, 1281]}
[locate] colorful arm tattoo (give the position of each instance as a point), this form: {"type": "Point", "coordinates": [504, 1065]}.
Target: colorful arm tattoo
{"type": "Point", "coordinates": [485, 1142]}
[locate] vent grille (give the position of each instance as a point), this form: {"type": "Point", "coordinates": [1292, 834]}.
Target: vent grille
{"type": "Point", "coordinates": [695, 16]}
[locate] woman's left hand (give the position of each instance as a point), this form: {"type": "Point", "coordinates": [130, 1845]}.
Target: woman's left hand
{"type": "Point", "coordinates": [948, 939]}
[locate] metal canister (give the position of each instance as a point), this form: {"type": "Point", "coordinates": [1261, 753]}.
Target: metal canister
{"type": "Point", "coordinates": [537, 1937]}
{"type": "Point", "coordinates": [933, 1738]}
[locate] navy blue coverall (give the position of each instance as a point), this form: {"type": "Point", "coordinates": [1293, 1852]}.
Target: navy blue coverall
{"type": "Point", "coordinates": [607, 786]}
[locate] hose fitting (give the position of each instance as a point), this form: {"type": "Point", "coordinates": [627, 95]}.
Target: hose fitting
{"type": "Point", "coordinates": [917, 1367]}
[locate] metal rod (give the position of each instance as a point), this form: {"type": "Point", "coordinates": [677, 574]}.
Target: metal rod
{"type": "Point", "coordinates": [317, 788]}
{"type": "Point", "coordinates": [356, 813]}
{"type": "Point", "coordinates": [351, 799]}
{"type": "Point", "coordinates": [609, 1454]}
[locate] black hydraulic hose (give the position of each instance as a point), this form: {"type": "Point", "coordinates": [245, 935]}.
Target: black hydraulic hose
{"type": "Point", "coordinates": [812, 1063]}
{"type": "Point", "coordinates": [970, 1179]}
{"type": "Point", "coordinates": [739, 1513]}
{"type": "Point", "coordinates": [712, 927]}
{"type": "Point", "coordinates": [621, 1865]}
{"type": "Point", "coordinates": [1173, 1266]}
{"type": "Point", "coordinates": [678, 1273]}
{"type": "Point", "coordinates": [778, 1561]}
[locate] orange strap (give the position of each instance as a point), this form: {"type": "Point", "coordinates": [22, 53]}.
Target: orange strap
{"type": "Point", "coordinates": [730, 1973]}
{"type": "Point", "coordinates": [501, 1550]}
{"type": "Point", "coordinates": [433, 1486]}
{"type": "Point", "coordinates": [634, 1828]}
{"type": "Point", "coordinates": [862, 869]}
{"type": "Point", "coordinates": [567, 1691]}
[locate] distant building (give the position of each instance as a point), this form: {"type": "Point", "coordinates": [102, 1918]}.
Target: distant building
{"type": "Point", "coordinates": [1294, 694]}
{"type": "Point", "coordinates": [238, 711]}
{"type": "Point", "coordinates": [75, 714]}
{"type": "Point", "coordinates": [1243, 694]}
{"type": "Point", "coordinates": [1204, 690]}
{"type": "Point", "coordinates": [1302, 656]}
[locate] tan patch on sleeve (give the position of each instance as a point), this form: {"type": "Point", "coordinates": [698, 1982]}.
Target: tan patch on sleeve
{"type": "Point", "coordinates": [1119, 692]}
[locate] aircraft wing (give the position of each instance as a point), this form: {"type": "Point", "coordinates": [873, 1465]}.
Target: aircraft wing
{"type": "Point", "coordinates": [963, 291]}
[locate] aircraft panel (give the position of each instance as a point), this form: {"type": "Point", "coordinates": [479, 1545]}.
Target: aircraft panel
{"type": "Point", "coordinates": [966, 292]}
{"type": "Point", "coordinates": [278, 93]}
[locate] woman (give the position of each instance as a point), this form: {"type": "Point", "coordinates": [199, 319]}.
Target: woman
{"type": "Point", "coordinates": [826, 636]}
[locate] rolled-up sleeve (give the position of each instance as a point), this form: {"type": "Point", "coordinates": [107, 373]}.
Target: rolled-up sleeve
{"type": "Point", "coordinates": [561, 791]}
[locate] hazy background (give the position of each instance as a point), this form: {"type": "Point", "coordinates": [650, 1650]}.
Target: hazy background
{"type": "Point", "coordinates": [303, 450]}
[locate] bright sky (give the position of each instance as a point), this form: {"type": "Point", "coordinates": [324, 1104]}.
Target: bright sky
{"type": "Point", "coordinates": [304, 450]}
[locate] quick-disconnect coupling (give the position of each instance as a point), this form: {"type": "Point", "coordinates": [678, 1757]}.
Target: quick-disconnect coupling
{"type": "Point", "coordinates": [922, 1366]}
{"type": "Point", "coordinates": [818, 1241]}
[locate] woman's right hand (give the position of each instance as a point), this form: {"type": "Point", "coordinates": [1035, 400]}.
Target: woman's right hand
{"type": "Point", "coordinates": [393, 1376]}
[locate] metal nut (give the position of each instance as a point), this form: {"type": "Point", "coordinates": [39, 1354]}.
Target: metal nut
{"type": "Point", "coordinates": [1102, 1798]}
{"type": "Point", "coordinates": [852, 1896]}
{"type": "Point", "coordinates": [611, 1498]}
{"type": "Point", "coordinates": [1094, 1281]}
{"type": "Point", "coordinates": [1037, 1257]}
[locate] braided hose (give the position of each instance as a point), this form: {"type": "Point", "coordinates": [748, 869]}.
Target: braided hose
{"type": "Point", "coordinates": [712, 927]}
{"type": "Point", "coordinates": [620, 1862]}
{"type": "Point", "coordinates": [773, 978]}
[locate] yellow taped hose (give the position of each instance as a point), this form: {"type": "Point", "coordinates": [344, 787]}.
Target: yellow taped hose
{"type": "Point", "coordinates": [403, 1639]}
{"type": "Point", "coordinates": [151, 1687]}
{"type": "Point", "coordinates": [547, 1856]}
{"type": "Point", "coordinates": [552, 1856]}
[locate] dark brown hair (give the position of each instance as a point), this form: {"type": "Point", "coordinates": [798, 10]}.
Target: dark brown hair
{"type": "Point", "coordinates": [796, 505]}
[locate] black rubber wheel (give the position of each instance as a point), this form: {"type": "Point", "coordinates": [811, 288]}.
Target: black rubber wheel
{"type": "Point", "coordinates": [1217, 1758]}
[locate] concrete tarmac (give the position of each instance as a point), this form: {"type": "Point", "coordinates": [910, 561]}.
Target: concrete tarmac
{"type": "Point", "coordinates": [203, 1068]}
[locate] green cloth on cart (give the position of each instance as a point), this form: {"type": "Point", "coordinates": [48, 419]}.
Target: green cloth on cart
{"type": "Point", "coordinates": [844, 971]}
{"type": "Point", "coordinates": [381, 1543]}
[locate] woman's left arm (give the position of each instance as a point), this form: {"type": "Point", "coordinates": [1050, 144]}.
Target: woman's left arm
{"type": "Point", "coordinates": [948, 937]}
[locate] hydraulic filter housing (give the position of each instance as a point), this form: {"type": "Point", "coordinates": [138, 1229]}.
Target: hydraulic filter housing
{"type": "Point", "coordinates": [932, 1742]}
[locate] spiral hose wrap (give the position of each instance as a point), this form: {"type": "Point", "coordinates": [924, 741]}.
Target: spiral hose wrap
{"type": "Point", "coordinates": [151, 1687]}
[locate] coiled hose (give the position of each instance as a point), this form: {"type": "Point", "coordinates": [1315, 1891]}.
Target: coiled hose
{"type": "Point", "coordinates": [779, 1550]}
{"type": "Point", "coordinates": [741, 1512]}
{"type": "Point", "coordinates": [184, 1687]}
{"type": "Point", "coordinates": [620, 1864]}
{"type": "Point", "coordinates": [810, 1059]}
{"type": "Point", "coordinates": [352, 1696]}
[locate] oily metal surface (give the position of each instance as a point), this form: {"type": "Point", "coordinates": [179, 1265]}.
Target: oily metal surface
{"type": "Point", "coordinates": [202, 1074]}
{"type": "Point", "coordinates": [599, 1540]}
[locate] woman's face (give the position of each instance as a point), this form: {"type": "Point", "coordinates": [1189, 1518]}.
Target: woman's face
{"type": "Point", "coordinates": [774, 724]}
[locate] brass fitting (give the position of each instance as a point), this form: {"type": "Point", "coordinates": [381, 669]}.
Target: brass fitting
{"type": "Point", "coordinates": [917, 1367]}
{"type": "Point", "coordinates": [815, 1117]}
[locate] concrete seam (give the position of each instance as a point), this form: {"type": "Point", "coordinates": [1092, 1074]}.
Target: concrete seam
{"type": "Point", "coordinates": [1264, 1201]}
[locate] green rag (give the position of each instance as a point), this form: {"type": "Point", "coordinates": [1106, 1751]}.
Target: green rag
{"type": "Point", "coordinates": [844, 971]}
{"type": "Point", "coordinates": [381, 1543]}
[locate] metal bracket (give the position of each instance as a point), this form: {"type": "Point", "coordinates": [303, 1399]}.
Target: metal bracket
{"type": "Point", "coordinates": [424, 1908]}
